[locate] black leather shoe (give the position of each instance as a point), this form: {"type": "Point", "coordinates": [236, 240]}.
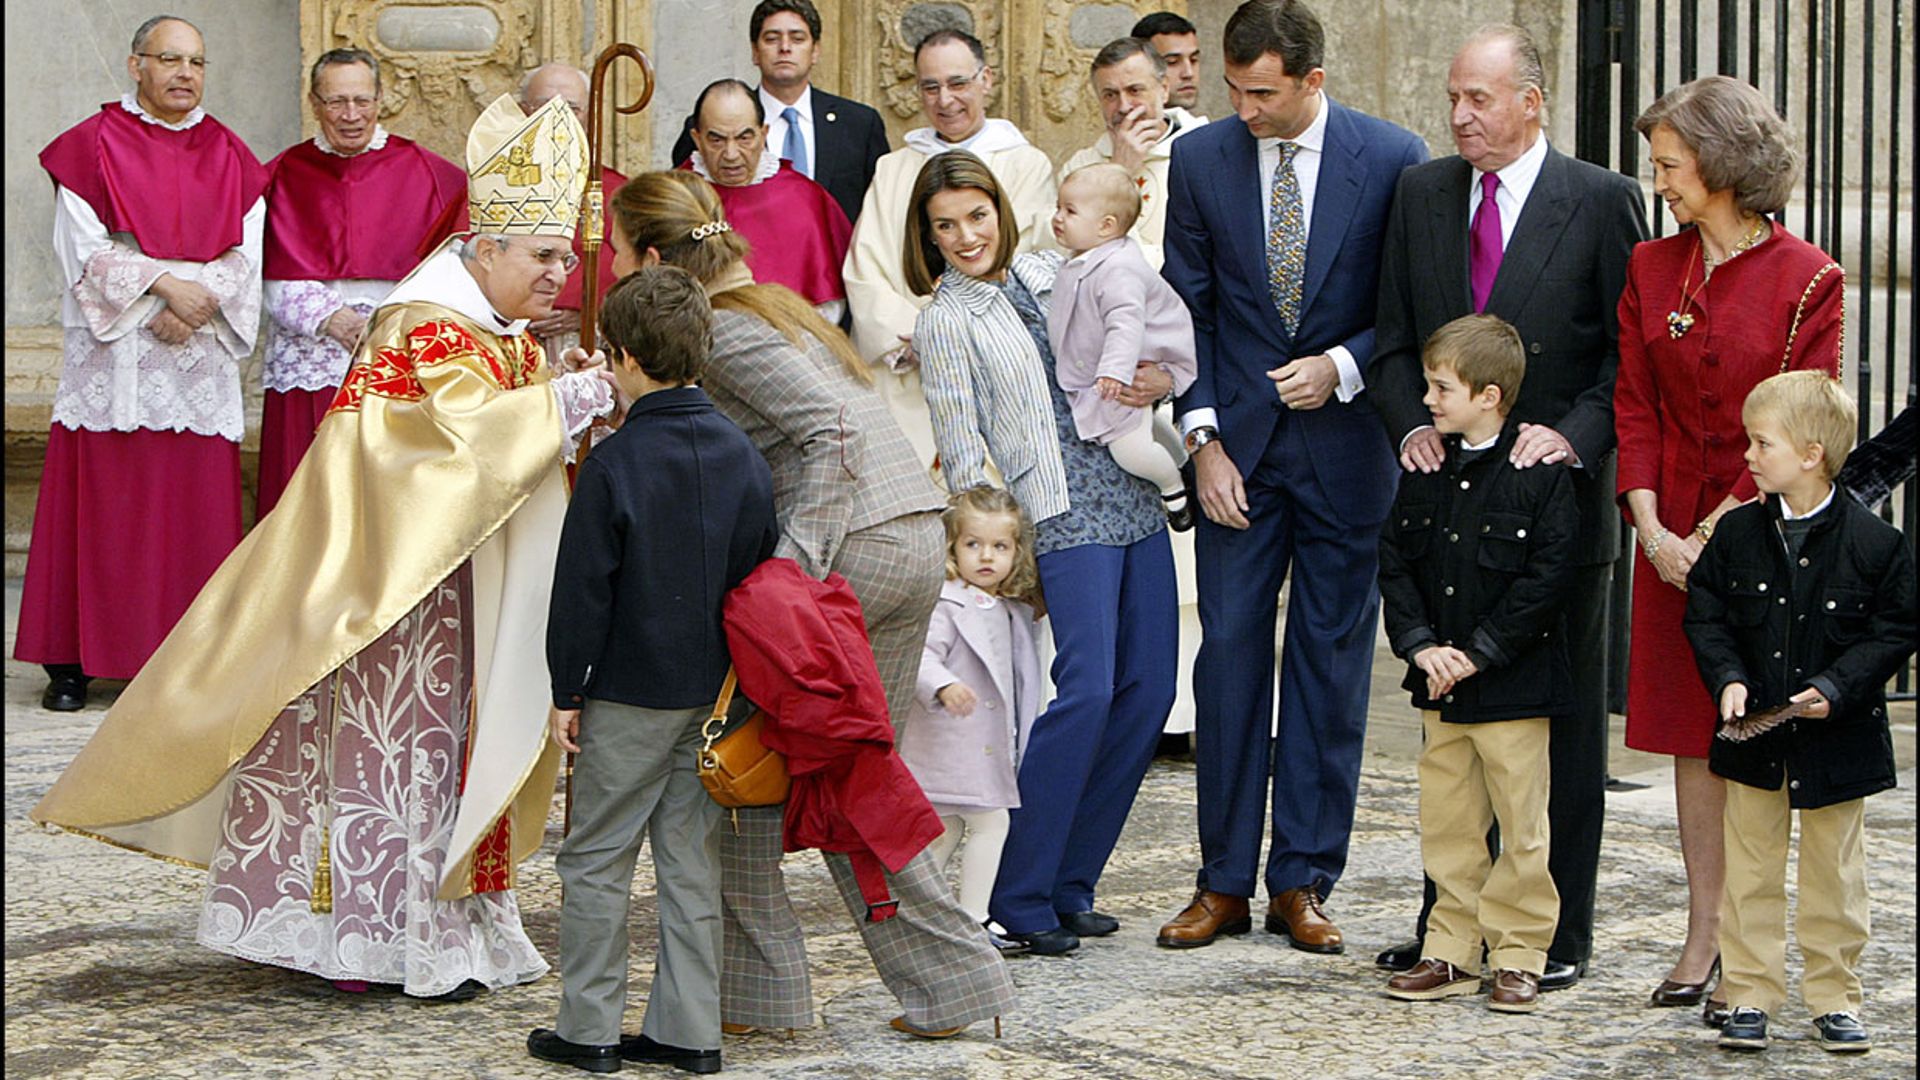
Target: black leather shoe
{"type": "Point", "coordinates": [641, 1048]}
{"type": "Point", "coordinates": [466, 991]}
{"type": "Point", "coordinates": [1181, 520]}
{"type": "Point", "coordinates": [547, 1045]}
{"type": "Point", "coordinates": [1560, 975]}
{"type": "Point", "coordinates": [65, 693]}
{"type": "Point", "coordinates": [1056, 942]}
{"type": "Point", "coordinates": [1088, 923]}
{"type": "Point", "coordinates": [1402, 957]}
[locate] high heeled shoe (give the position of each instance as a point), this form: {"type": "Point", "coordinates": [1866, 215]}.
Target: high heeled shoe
{"type": "Point", "coordinates": [1671, 994]}
{"type": "Point", "coordinates": [900, 1024]}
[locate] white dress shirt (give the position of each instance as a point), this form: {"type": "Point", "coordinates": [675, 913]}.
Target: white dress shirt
{"type": "Point", "coordinates": [1516, 183]}
{"type": "Point", "coordinates": [1306, 172]}
{"type": "Point", "coordinates": [777, 127]}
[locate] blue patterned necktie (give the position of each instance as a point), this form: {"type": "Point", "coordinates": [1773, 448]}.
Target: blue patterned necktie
{"type": "Point", "coordinates": [794, 146]}
{"type": "Point", "coordinates": [1286, 240]}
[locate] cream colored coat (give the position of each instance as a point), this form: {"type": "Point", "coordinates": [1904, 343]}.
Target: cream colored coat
{"type": "Point", "coordinates": [884, 309]}
{"type": "Point", "coordinates": [1151, 227]}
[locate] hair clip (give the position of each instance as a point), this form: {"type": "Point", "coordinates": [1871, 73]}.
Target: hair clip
{"type": "Point", "coordinates": [711, 228]}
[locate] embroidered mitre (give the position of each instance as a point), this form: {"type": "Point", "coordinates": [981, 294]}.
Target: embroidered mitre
{"type": "Point", "coordinates": [526, 173]}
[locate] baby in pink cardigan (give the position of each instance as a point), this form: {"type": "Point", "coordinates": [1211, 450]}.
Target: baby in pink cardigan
{"type": "Point", "coordinates": [1110, 311]}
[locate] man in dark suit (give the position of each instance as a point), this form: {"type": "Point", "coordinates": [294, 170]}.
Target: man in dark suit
{"type": "Point", "coordinates": [1273, 240]}
{"type": "Point", "coordinates": [830, 140]}
{"type": "Point", "coordinates": [1549, 256]}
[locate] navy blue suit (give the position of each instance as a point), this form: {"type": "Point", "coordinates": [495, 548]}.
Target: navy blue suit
{"type": "Point", "coordinates": [1318, 483]}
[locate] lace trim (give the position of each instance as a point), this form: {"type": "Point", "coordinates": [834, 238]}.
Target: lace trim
{"type": "Point", "coordinates": [378, 142]}
{"type": "Point", "coordinates": [132, 105]}
{"type": "Point", "coordinates": [769, 164]}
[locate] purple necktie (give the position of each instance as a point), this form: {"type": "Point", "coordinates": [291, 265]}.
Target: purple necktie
{"type": "Point", "coordinates": [1483, 242]}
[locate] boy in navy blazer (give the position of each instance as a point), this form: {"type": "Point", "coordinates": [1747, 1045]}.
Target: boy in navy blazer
{"type": "Point", "coordinates": [667, 516]}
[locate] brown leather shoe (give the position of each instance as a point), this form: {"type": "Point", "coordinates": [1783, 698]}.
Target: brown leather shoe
{"type": "Point", "coordinates": [1296, 914]}
{"type": "Point", "coordinates": [1210, 915]}
{"type": "Point", "coordinates": [1431, 980]}
{"type": "Point", "coordinates": [1514, 991]}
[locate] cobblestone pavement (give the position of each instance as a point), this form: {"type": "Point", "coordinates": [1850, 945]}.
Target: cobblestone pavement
{"type": "Point", "coordinates": [103, 978]}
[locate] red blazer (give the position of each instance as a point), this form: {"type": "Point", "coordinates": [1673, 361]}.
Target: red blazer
{"type": "Point", "coordinates": [1677, 401]}
{"type": "Point", "coordinates": [801, 650]}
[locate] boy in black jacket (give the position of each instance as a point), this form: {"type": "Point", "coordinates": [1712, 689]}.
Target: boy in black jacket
{"type": "Point", "coordinates": [1474, 564]}
{"type": "Point", "coordinates": [1804, 599]}
{"type": "Point", "coordinates": [669, 513]}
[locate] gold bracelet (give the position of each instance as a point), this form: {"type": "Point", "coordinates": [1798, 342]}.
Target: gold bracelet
{"type": "Point", "coordinates": [1704, 530]}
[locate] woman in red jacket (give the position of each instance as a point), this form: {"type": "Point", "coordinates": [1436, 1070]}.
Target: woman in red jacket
{"type": "Point", "coordinates": [1706, 314]}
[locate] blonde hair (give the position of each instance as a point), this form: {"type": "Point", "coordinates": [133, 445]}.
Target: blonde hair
{"type": "Point", "coordinates": [955, 170]}
{"type": "Point", "coordinates": [1113, 190]}
{"type": "Point", "coordinates": [1023, 577]}
{"type": "Point", "coordinates": [1810, 407]}
{"type": "Point", "coordinates": [678, 214]}
{"type": "Point", "coordinates": [1484, 350]}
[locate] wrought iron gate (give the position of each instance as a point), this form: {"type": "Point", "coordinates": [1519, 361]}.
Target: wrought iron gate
{"type": "Point", "coordinates": [1843, 73]}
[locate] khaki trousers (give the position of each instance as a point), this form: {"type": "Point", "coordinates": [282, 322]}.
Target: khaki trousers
{"type": "Point", "coordinates": [1472, 775]}
{"type": "Point", "coordinates": [1832, 921]}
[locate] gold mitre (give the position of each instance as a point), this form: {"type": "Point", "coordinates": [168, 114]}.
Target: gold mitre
{"type": "Point", "coordinates": [525, 173]}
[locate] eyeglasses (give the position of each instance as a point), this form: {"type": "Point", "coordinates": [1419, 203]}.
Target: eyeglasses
{"type": "Point", "coordinates": [171, 61]}
{"type": "Point", "coordinates": [338, 105]}
{"type": "Point", "coordinates": [955, 85]}
{"type": "Point", "coordinates": [549, 256]}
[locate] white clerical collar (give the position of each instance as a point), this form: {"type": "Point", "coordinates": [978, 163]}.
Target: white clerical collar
{"type": "Point", "coordinates": [1518, 175]}
{"type": "Point", "coordinates": [774, 106]}
{"type": "Point", "coordinates": [444, 280]}
{"type": "Point", "coordinates": [1787, 514]}
{"type": "Point", "coordinates": [378, 142]}
{"type": "Point", "coordinates": [1314, 138]}
{"type": "Point", "coordinates": [769, 164]}
{"type": "Point", "coordinates": [132, 105]}
{"type": "Point", "coordinates": [995, 134]}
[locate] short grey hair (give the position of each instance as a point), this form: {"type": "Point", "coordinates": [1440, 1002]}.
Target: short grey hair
{"type": "Point", "coordinates": [527, 79]}
{"type": "Point", "coordinates": [1121, 50]}
{"type": "Point", "coordinates": [1742, 145]}
{"type": "Point", "coordinates": [469, 249]}
{"type": "Point", "coordinates": [147, 28]}
{"type": "Point", "coordinates": [1528, 71]}
{"type": "Point", "coordinates": [334, 57]}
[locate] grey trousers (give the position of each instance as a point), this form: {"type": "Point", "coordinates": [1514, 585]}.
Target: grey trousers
{"type": "Point", "coordinates": [934, 959]}
{"type": "Point", "coordinates": [635, 777]}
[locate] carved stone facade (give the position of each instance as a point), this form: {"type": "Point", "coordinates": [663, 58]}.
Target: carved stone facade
{"type": "Point", "coordinates": [1040, 50]}
{"type": "Point", "coordinates": [444, 61]}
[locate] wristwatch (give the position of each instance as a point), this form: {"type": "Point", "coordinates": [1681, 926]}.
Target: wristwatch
{"type": "Point", "coordinates": [1200, 437]}
{"type": "Point", "coordinates": [1704, 530]}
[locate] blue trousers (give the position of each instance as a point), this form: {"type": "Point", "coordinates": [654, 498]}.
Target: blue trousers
{"type": "Point", "coordinates": [1312, 767]}
{"type": "Point", "coordinates": [1116, 634]}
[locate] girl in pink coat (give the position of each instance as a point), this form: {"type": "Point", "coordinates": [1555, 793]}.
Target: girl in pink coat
{"type": "Point", "coordinates": [979, 689]}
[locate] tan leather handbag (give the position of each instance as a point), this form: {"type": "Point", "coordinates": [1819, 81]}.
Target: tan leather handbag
{"type": "Point", "coordinates": [734, 766]}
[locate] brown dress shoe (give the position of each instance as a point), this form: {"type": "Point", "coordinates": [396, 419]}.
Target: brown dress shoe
{"type": "Point", "coordinates": [1431, 980]}
{"type": "Point", "coordinates": [1210, 915]}
{"type": "Point", "coordinates": [1296, 914]}
{"type": "Point", "coordinates": [1514, 991]}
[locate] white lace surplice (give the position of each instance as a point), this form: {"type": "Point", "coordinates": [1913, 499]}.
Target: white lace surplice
{"type": "Point", "coordinates": [117, 376]}
{"type": "Point", "coordinates": [394, 773]}
{"type": "Point", "coordinates": [300, 356]}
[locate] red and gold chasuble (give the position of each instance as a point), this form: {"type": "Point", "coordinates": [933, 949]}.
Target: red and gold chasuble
{"type": "Point", "coordinates": [442, 449]}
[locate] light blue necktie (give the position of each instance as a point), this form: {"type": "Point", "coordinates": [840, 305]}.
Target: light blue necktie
{"type": "Point", "coordinates": [794, 146]}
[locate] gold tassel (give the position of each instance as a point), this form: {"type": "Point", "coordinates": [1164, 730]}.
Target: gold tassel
{"type": "Point", "coordinates": [322, 902]}
{"type": "Point", "coordinates": [321, 895]}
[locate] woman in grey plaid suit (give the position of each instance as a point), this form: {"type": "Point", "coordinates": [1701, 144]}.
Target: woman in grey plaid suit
{"type": "Point", "coordinates": [851, 499]}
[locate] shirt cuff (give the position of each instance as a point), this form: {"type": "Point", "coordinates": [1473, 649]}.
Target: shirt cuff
{"type": "Point", "coordinates": [1409, 436]}
{"type": "Point", "coordinates": [1199, 418]}
{"type": "Point", "coordinates": [1350, 381]}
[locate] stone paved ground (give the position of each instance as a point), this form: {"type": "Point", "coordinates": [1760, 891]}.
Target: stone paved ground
{"type": "Point", "coordinates": [103, 979]}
